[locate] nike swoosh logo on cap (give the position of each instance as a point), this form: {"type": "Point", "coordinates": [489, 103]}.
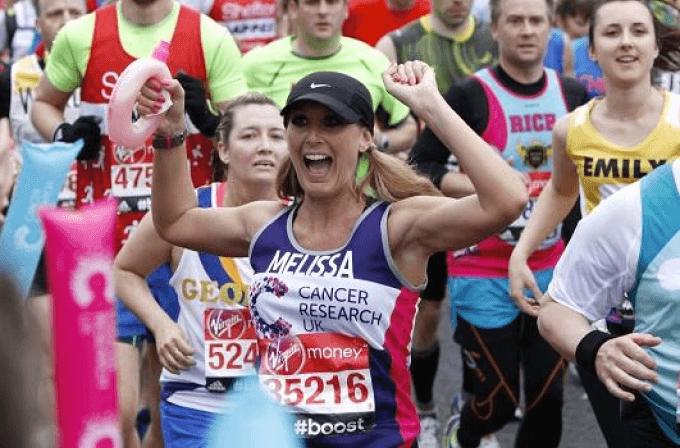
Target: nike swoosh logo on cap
{"type": "Point", "coordinates": [315, 86]}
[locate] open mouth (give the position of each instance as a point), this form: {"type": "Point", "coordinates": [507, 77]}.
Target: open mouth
{"type": "Point", "coordinates": [318, 164]}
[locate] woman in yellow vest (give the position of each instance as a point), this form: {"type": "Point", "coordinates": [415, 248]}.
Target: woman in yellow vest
{"type": "Point", "coordinates": [604, 145]}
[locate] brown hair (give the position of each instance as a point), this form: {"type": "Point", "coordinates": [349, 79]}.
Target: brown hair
{"type": "Point", "coordinates": [388, 178]}
{"type": "Point", "coordinates": [574, 8]}
{"type": "Point", "coordinates": [600, 3]}
{"type": "Point", "coordinates": [226, 125]}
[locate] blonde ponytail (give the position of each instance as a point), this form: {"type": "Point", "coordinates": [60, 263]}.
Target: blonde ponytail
{"type": "Point", "coordinates": [391, 179]}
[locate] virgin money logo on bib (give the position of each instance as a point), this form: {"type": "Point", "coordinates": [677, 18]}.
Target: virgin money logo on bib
{"type": "Point", "coordinates": [225, 324]}
{"type": "Point", "coordinates": [124, 155]}
{"type": "Point", "coordinates": [285, 356]}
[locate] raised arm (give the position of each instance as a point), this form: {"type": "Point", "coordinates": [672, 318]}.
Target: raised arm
{"type": "Point", "coordinates": [178, 220]}
{"type": "Point", "coordinates": [429, 224]}
{"type": "Point", "coordinates": [144, 252]}
{"type": "Point", "coordinates": [553, 205]}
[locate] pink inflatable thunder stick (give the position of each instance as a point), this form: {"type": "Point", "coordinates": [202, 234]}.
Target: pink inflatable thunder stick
{"type": "Point", "coordinates": [122, 130]}
{"type": "Point", "coordinates": [80, 251]}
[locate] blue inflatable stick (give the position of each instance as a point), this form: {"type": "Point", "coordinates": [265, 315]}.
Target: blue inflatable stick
{"type": "Point", "coordinates": [42, 176]}
{"type": "Point", "coordinates": [252, 420]}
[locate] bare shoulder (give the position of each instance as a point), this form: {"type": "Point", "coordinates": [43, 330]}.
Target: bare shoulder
{"type": "Point", "coordinates": [407, 213]}
{"type": "Point", "coordinates": [561, 127]}
{"type": "Point", "coordinates": [258, 213]}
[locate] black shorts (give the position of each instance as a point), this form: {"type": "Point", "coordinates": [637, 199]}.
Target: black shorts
{"type": "Point", "coordinates": [436, 278]}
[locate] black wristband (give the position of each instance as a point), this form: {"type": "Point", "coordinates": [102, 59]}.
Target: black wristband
{"type": "Point", "coordinates": [586, 350]}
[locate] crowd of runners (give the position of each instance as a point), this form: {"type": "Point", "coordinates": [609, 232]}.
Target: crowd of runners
{"type": "Point", "coordinates": [333, 175]}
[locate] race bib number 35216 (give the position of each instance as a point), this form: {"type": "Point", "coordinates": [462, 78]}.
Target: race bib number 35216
{"type": "Point", "coordinates": [324, 378]}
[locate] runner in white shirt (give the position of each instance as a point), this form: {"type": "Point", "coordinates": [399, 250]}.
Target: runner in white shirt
{"type": "Point", "coordinates": [629, 245]}
{"type": "Point", "coordinates": [213, 341]}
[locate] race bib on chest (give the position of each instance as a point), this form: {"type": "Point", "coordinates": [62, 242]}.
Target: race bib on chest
{"type": "Point", "coordinates": [230, 346]}
{"type": "Point", "coordinates": [131, 181]}
{"type": "Point", "coordinates": [324, 378]}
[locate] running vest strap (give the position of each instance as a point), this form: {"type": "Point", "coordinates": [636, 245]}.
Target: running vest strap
{"type": "Point", "coordinates": [656, 295]}
{"type": "Point", "coordinates": [452, 58]}
{"type": "Point", "coordinates": [252, 24]}
{"type": "Point", "coordinates": [125, 173]}
{"type": "Point", "coordinates": [334, 329]}
{"type": "Point", "coordinates": [604, 167]}
{"type": "Point", "coordinates": [213, 296]}
{"type": "Point", "coordinates": [520, 128]}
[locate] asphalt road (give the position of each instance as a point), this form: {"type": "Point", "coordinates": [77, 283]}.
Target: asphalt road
{"type": "Point", "coordinates": [580, 428]}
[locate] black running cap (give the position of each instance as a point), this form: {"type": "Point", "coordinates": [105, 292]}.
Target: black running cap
{"type": "Point", "coordinates": [340, 93]}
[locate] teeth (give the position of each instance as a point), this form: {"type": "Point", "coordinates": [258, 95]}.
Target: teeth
{"type": "Point", "coordinates": [315, 157]}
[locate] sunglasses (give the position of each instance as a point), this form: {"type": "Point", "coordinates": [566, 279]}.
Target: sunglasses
{"type": "Point", "coordinates": [665, 13]}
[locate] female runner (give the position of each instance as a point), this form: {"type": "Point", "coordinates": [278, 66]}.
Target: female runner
{"type": "Point", "coordinates": [332, 319]}
{"type": "Point", "coordinates": [600, 147]}
{"type": "Point", "coordinates": [211, 344]}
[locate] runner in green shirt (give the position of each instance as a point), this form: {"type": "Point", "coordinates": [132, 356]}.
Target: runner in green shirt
{"type": "Point", "coordinates": [318, 45]}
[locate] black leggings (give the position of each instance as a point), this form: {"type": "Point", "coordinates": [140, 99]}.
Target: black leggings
{"type": "Point", "coordinates": [640, 429]}
{"type": "Point", "coordinates": [494, 357]}
{"type": "Point", "coordinates": [606, 406]}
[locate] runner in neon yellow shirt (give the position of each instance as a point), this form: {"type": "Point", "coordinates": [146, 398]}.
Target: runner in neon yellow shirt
{"type": "Point", "coordinates": [318, 45]}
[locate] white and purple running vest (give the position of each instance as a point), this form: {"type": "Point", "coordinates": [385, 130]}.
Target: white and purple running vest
{"type": "Point", "coordinates": [334, 331]}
